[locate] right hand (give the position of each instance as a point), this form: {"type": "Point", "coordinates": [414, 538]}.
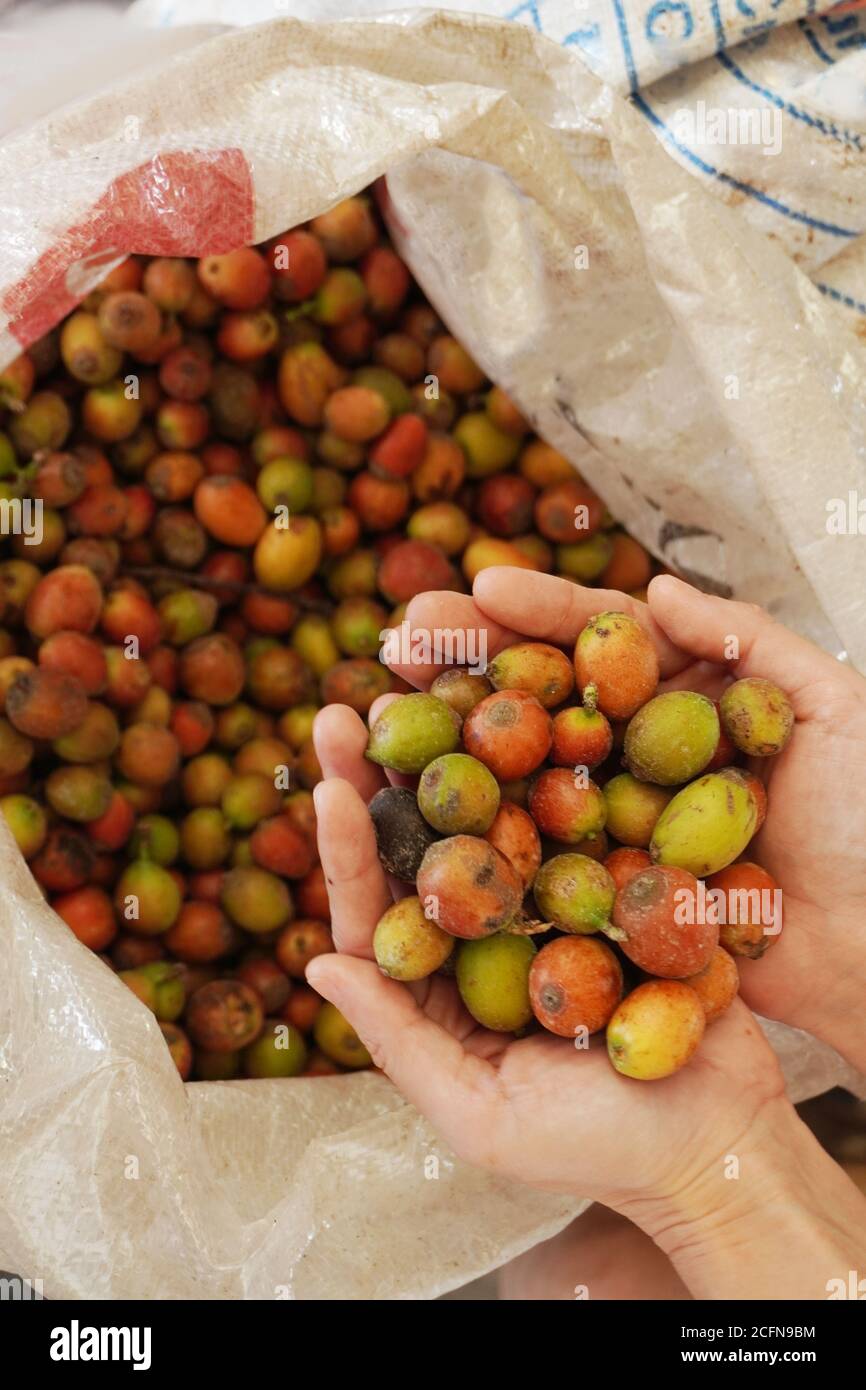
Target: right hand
{"type": "Point", "coordinates": [814, 839]}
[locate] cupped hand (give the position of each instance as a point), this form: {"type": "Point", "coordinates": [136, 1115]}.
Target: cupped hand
{"type": "Point", "coordinates": [537, 1109]}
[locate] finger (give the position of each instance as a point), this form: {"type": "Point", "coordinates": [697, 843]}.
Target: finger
{"type": "Point", "coordinates": [556, 610]}
{"type": "Point", "coordinates": [453, 1088]}
{"type": "Point", "coordinates": [340, 740]}
{"type": "Point", "coordinates": [441, 630]}
{"type": "Point", "coordinates": [357, 890]}
{"type": "Point", "coordinates": [741, 636]}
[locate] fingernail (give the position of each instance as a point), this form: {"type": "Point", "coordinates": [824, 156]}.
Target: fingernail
{"type": "Point", "coordinates": [317, 975]}
{"type": "Point", "coordinates": [314, 970]}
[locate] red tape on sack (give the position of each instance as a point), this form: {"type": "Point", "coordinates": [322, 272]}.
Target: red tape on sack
{"type": "Point", "coordinates": [180, 204]}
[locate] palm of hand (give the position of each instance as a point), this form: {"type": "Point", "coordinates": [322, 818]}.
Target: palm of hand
{"type": "Point", "coordinates": [560, 1118]}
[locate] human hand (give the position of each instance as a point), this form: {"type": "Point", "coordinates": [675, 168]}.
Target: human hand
{"type": "Point", "coordinates": [536, 1109]}
{"type": "Point", "coordinates": [539, 1110]}
{"type": "Point", "coordinates": [812, 842]}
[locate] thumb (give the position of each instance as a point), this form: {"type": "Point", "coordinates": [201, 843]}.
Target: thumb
{"type": "Point", "coordinates": [427, 1065]}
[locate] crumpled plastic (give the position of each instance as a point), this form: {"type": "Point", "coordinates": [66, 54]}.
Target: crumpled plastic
{"type": "Point", "coordinates": [672, 349]}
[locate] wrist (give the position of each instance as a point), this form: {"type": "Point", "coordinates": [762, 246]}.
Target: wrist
{"type": "Point", "coordinates": [770, 1216]}
{"type": "Point", "coordinates": [725, 1191]}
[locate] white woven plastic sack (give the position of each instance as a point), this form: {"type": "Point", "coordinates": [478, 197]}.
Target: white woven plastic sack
{"type": "Point", "coordinates": [649, 324]}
